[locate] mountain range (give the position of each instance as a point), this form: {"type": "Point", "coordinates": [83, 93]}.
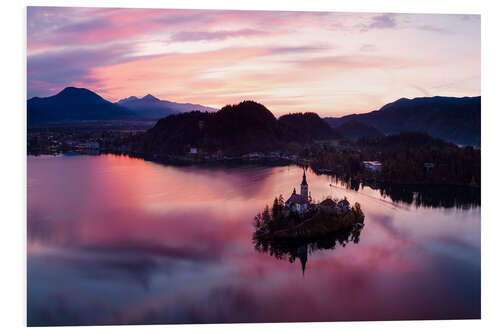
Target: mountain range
{"type": "Point", "coordinates": [150, 107]}
{"type": "Point", "coordinates": [72, 105]}
{"type": "Point", "coordinates": [453, 119]}
{"type": "Point", "coordinates": [80, 104]}
{"type": "Point", "coordinates": [457, 120]}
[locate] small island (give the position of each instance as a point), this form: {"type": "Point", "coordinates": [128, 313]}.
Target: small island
{"type": "Point", "coordinates": [301, 218]}
{"type": "Point", "coordinates": [293, 228]}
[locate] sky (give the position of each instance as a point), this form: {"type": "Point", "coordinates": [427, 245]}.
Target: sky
{"type": "Point", "coordinates": [331, 63]}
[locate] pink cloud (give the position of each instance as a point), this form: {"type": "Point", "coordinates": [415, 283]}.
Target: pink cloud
{"type": "Point", "coordinates": [217, 57]}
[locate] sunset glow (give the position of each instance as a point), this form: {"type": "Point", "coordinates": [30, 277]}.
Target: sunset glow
{"type": "Point", "coordinates": [325, 62]}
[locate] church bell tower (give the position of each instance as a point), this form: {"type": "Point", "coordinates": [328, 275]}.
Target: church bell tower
{"type": "Point", "coordinates": [304, 188]}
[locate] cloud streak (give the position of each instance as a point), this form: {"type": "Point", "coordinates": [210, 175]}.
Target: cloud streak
{"type": "Point", "coordinates": [384, 21]}
{"type": "Point", "coordinates": [185, 36]}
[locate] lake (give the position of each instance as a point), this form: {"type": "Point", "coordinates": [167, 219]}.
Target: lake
{"type": "Point", "coordinates": [119, 240]}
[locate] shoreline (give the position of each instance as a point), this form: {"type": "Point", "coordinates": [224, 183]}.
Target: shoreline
{"type": "Point", "coordinates": [187, 160]}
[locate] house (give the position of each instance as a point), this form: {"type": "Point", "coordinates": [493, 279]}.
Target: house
{"type": "Point", "coordinates": [332, 207]}
{"type": "Point", "coordinates": [343, 205]}
{"type": "Point", "coordinates": [373, 166]}
{"type": "Point", "coordinates": [274, 155]}
{"type": "Point", "coordinates": [299, 203]}
{"type": "Point", "coordinates": [428, 166]}
{"type": "Point", "coordinates": [255, 155]}
{"type": "Point", "coordinates": [92, 145]}
{"type": "Point", "coordinates": [329, 206]}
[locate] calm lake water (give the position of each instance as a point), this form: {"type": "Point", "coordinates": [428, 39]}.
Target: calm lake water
{"type": "Point", "coordinates": [118, 240]}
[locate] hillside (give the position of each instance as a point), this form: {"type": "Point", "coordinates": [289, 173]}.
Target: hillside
{"type": "Point", "coordinates": [150, 107]}
{"type": "Point", "coordinates": [354, 130]}
{"type": "Point", "coordinates": [452, 119]}
{"type": "Point", "coordinates": [308, 126]}
{"type": "Point", "coordinates": [235, 129]}
{"type": "Point", "coordinates": [402, 142]}
{"type": "Point", "coordinates": [73, 105]}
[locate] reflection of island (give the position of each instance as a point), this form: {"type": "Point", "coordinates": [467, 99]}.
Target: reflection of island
{"type": "Point", "coordinates": [300, 248]}
{"type": "Point", "coordinates": [299, 226]}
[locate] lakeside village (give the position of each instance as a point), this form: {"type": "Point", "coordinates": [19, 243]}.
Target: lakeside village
{"type": "Point", "coordinates": [94, 142]}
{"type": "Point", "coordinates": [300, 218]}
{"type": "Point", "coordinates": [64, 140]}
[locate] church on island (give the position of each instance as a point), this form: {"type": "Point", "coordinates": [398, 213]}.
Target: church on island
{"type": "Point", "coordinates": [299, 203]}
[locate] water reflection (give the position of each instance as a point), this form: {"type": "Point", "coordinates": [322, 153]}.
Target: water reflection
{"type": "Point", "coordinates": [290, 249]}
{"type": "Point", "coordinates": [118, 240]}
{"type": "Point", "coordinates": [436, 196]}
{"type": "Point", "coordinates": [447, 196]}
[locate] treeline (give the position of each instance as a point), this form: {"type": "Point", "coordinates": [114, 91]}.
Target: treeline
{"type": "Point", "coordinates": [417, 158]}
{"type": "Point", "coordinates": [347, 164]}
{"type": "Point", "coordinates": [308, 126]}
{"type": "Point", "coordinates": [234, 130]}
{"type": "Point", "coordinates": [407, 158]}
{"type": "Point", "coordinates": [458, 166]}
{"type": "Point", "coordinates": [274, 219]}
{"type": "Point", "coordinates": [317, 222]}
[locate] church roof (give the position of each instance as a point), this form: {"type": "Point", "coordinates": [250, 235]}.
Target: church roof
{"type": "Point", "coordinates": [296, 198]}
{"type": "Point", "coordinates": [328, 202]}
{"type": "Point", "coordinates": [344, 202]}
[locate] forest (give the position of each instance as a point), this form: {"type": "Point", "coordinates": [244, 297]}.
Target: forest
{"type": "Point", "coordinates": [406, 158]}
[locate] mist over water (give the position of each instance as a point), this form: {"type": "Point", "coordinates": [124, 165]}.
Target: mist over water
{"type": "Point", "coordinates": [118, 240]}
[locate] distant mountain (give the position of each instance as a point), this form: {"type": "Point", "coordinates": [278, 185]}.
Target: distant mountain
{"type": "Point", "coordinates": [354, 130]}
{"type": "Point", "coordinates": [150, 107]}
{"type": "Point", "coordinates": [72, 105]}
{"type": "Point", "coordinates": [309, 126]}
{"type": "Point", "coordinates": [235, 129]}
{"type": "Point", "coordinates": [127, 100]}
{"type": "Point", "coordinates": [450, 118]}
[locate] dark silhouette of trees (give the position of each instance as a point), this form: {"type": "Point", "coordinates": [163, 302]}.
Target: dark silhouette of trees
{"type": "Point", "coordinates": [293, 236]}
{"type": "Point", "coordinates": [407, 158]}
{"type": "Point", "coordinates": [235, 130]}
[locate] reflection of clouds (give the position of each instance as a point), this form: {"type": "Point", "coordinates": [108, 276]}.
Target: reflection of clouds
{"type": "Point", "coordinates": [387, 223]}
{"type": "Point", "coordinates": [97, 253]}
{"type": "Point", "coordinates": [455, 248]}
{"type": "Point", "coordinates": [213, 305]}
{"type": "Point", "coordinates": [98, 266]}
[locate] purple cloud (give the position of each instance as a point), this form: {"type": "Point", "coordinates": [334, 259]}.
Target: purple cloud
{"type": "Point", "coordinates": [431, 28]}
{"type": "Point", "coordinates": [383, 21]}
{"type": "Point", "coordinates": [299, 49]}
{"type": "Point", "coordinates": [52, 71]}
{"type": "Point", "coordinates": [88, 25]}
{"type": "Point", "coordinates": [187, 36]}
